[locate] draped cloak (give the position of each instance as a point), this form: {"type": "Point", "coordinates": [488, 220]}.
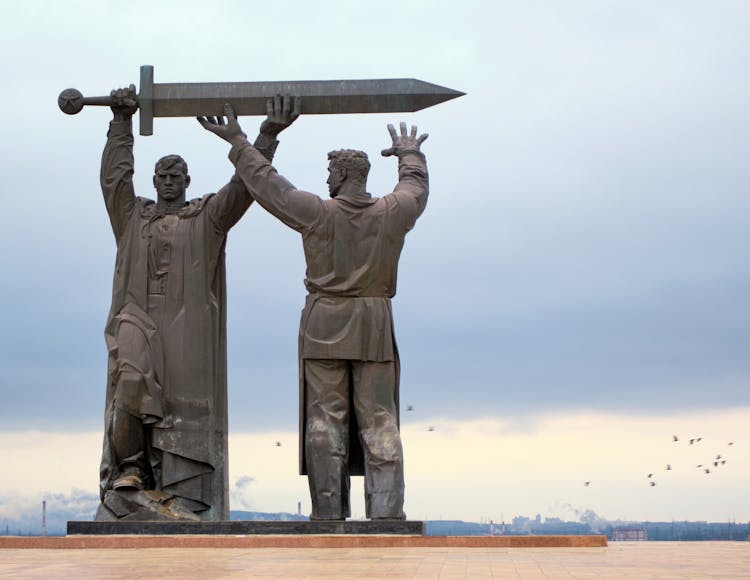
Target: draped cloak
{"type": "Point", "coordinates": [184, 326]}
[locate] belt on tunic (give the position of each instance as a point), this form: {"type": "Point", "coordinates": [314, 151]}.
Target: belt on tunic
{"type": "Point", "coordinates": [157, 286]}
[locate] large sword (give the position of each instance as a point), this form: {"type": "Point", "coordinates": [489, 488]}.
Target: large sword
{"type": "Point", "coordinates": [249, 98]}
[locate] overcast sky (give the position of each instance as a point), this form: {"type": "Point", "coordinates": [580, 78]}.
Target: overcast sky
{"type": "Point", "coordinates": [584, 248]}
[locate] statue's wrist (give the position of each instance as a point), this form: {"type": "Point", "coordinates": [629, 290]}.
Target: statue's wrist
{"type": "Point", "coordinates": [238, 140]}
{"type": "Point", "coordinates": [265, 139]}
{"type": "Point", "coordinates": [415, 151]}
{"type": "Point", "coordinates": [268, 135]}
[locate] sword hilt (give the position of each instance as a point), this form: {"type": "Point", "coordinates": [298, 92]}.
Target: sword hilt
{"type": "Point", "coordinates": [71, 101]}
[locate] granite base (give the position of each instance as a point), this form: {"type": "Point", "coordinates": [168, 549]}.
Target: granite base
{"type": "Point", "coordinates": [248, 528]}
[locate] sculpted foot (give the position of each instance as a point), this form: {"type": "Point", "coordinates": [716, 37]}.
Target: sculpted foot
{"type": "Point", "coordinates": [132, 480]}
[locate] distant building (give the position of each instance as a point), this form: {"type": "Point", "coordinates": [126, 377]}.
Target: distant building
{"type": "Point", "coordinates": [629, 535]}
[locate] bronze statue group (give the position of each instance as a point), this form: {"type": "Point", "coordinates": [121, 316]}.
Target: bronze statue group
{"type": "Point", "coordinates": [165, 442]}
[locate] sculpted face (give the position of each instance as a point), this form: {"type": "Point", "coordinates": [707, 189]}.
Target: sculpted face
{"type": "Point", "coordinates": [336, 177]}
{"type": "Point", "coordinates": [171, 183]}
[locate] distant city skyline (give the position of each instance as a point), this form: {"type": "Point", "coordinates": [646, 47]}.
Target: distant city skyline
{"type": "Point", "coordinates": [589, 523]}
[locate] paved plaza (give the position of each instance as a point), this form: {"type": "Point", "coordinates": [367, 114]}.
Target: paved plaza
{"type": "Point", "coordinates": [640, 560]}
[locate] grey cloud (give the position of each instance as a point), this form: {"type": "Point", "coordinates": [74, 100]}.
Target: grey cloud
{"type": "Point", "coordinates": [585, 244]}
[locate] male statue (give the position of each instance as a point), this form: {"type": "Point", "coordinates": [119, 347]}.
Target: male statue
{"type": "Point", "coordinates": [165, 441]}
{"type": "Point", "coordinates": [349, 366]}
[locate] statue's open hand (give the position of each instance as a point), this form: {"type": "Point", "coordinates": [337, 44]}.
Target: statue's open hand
{"type": "Point", "coordinates": [228, 129]}
{"type": "Point", "coordinates": [281, 111]}
{"type": "Point", "coordinates": [403, 143]}
{"type": "Point", "coordinates": [124, 102]}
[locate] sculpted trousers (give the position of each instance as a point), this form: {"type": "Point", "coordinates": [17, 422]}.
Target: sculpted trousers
{"type": "Point", "coordinates": [136, 405]}
{"type": "Point", "coordinates": [128, 437]}
{"type": "Point", "coordinates": [330, 385]}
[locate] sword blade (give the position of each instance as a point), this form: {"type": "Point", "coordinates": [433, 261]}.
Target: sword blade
{"type": "Point", "coordinates": [318, 97]}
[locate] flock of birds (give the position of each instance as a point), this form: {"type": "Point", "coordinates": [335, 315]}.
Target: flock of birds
{"type": "Point", "coordinates": [429, 427]}
{"type": "Point", "coordinates": [718, 461]}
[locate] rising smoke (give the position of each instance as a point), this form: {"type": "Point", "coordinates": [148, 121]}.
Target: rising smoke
{"type": "Point", "coordinates": [239, 495]}
{"type": "Point", "coordinates": [565, 510]}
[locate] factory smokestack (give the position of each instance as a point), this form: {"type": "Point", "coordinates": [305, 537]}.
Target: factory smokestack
{"type": "Point", "coordinates": [44, 517]}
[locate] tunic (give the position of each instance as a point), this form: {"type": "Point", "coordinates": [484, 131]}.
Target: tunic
{"type": "Point", "coordinates": [352, 244]}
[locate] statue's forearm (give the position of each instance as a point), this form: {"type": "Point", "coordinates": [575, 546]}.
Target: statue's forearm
{"type": "Point", "coordinates": [117, 173]}
{"type": "Point", "coordinates": [412, 174]}
{"type": "Point", "coordinates": [267, 145]}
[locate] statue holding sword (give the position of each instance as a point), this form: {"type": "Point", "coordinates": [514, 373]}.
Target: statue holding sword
{"type": "Point", "coordinates": [165, 440]}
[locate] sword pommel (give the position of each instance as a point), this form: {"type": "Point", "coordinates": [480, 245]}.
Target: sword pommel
{"type": "Point", "coordinates": [71, 101]}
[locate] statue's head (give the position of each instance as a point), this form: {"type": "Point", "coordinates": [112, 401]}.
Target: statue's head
{"type": "Point", "coordinates": [171, 178]}
{"type": "Point", "coordinates": [346, 165]}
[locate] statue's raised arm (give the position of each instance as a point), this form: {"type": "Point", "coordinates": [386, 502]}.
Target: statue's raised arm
{"type": "Point", "coordinates": [116, 174]}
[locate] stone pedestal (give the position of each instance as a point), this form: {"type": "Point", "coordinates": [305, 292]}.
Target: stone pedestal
{"type": "Point", "coordinates": [249, 528]}
{"type": "Point", "coordinates": [298, 541]}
